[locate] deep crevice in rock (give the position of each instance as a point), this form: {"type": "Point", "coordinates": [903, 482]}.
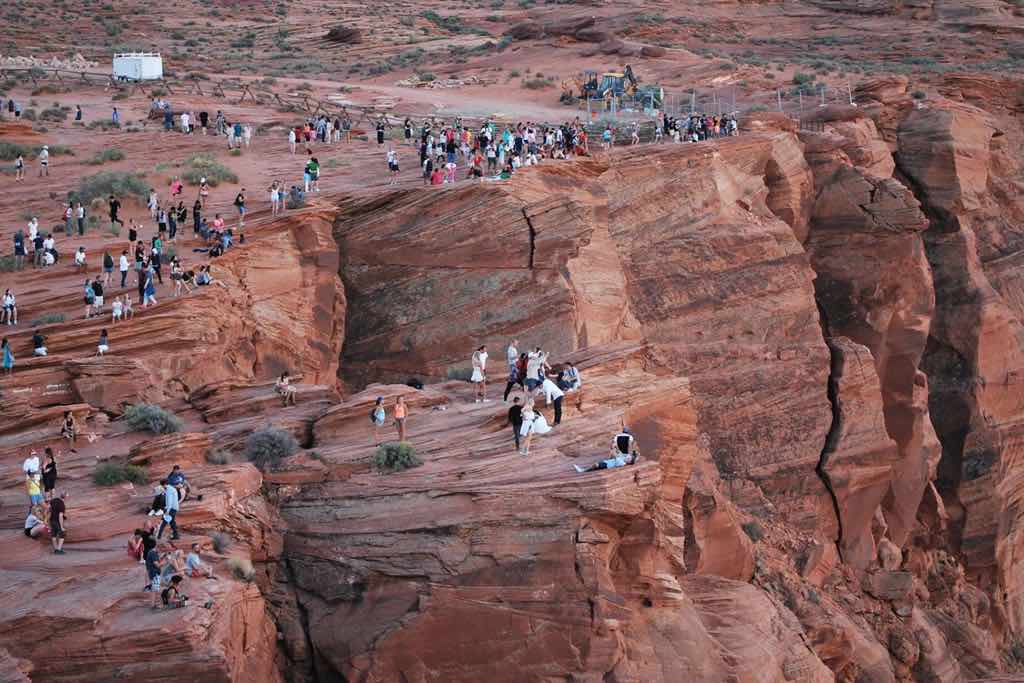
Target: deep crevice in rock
{"type": "Point", "coordinates": [832, 438]}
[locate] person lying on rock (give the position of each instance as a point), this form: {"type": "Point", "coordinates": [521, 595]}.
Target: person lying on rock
{"type": "Point", "coordinates": [624, 452]}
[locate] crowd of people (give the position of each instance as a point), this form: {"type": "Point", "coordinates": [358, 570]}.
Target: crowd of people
{"type": "Point", "coordinates": [166, 567]}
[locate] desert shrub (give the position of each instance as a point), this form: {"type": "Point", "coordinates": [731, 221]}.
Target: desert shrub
{"type": "Point", "coordinates": [537, 83]}
{"type": "Point", "coordinates": [29, 115]}
{"type": "Point", "coordinates": [204, 166]}
{"type": "Point", "coordinates": [102, 124]}
{"type": "Point", "coordinates": [218, 456]}
{"type": "Point", "coordinates": [108, 154]}
{"type": "Point", "coordinates": [241, 568]}
{"type": "Point", "coordinates": [800, 78]}
{"type": "Point", "coordinates": [395, 456]}
{"type": "Point", "coordinates": [146, 417]}
{"type": "Point", "coordinates": [53, 114]}
{"type": "Point", "coordinates": [221, 541]}
{"type": "Point", "coordinates": [47, 319]}
{"type": "Point", "coordinates": [448, 23]}
{"type": "Point", "coordinates": [7, 263]}
{"type": "Point", "coordinates": [753, 530]}
{"type": "Point", "coordinates": [294, 203]}
{"type": "Point", "coordinates": [235, 153]}
{"type": "Point", "coordinates": [269, 446]}
{"type": "Point", "coordinates": [426, 77]}
{"type": "Point", "coordinates": [106, 183]}
{"type": "Point", "coordinates": [758, 107]}
{"type": "Point", "coordinates": [111, 473]}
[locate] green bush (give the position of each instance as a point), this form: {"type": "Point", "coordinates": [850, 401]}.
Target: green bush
{"type": "Point", "coordinates": [146, 417]}
{"type": "Point", "coordinates": [218, 457]}
{"type": "Point", "coordinates": [109, 154]}
{"type": "Point", "coordinates": [106, 183]}
{"type": "Point", "coordinates": [9, 151]}
{"type": "Point", "coordinates": [753, 530]}
{"type": "Point", "coordinates": [204, 166]}
{"type": "Point", "coordinates": [104, 124]}
{"type": "Point", "coordinates": [221, 541]}
{"type": "Point", "coordinates": [47, 319]}
{"type": "Point", "coordinates": [7, 263]}
{"type": "Point", "coordinates": [395, 456]}
{"type": "Point", "coordinates": [111, 473]}
{"type": "Point", "coordinates": [241, 568]}
{"type": "Point", "coordinates": [800, 78]}
{"type": "Point", "coordinates": [269, 446]}
{"type": "Point", "coordinates": [537, 83]}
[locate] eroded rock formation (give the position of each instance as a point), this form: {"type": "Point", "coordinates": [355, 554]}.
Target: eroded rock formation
{"type": "Point", "coordinates": [815, 336]}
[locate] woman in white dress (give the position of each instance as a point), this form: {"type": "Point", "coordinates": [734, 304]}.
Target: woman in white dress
{"type": "Point", "coordinates": [479, 377]}
{"type": "Point", "coordinates": [533, 423]}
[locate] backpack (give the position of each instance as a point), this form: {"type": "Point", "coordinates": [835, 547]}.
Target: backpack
{"type": "Point", "coordinates": [373, 412]}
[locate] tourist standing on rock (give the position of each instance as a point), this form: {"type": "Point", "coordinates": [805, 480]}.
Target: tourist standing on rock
{"type": "Point", "coordinates": [19, 249]}
{"type": "Point", "coordinates": [108, 267]}
{"type": "Point", "coordinates": [35, 491]}
{"type": "Point", "coordinates": [401, 413]}
{"type": "Point", "coordinates": [148, 288]}
{"type": "Point", "coordinates": [49, 474]}
{"type": "Point", "coordinates": [19, 168]}
{"type": "Point", "coordinates": [381, 124]}
{"type": "Point", "coordinates": [553, 396]}
{"type": "Point", "coordinates": [122, 267]}
{"type": "Point", "coordinates": [8, 357]}
{"type": "Point", "coordinates": [240, 205]}
{"type": "Point", "coordinates": [58, 522]}
{"type": "Point", "coordinates": [378, 416]}
{"type": "Point", "coordinates": [9, 314]}
{"type": "Point", "coordinates": [515, 418]}
{"type": "Point", "coordinates": [31, 464]}
{"type": "Point", "coordinates": [170, 510]}
{"type": "Point", "coordinates": [275, 197]}
{"type": "Point", "coordinates": [44, 161]}
{"type": "Point", "coordinates": [393, 166]}
{"type": "Point", "coordinates": [479, 376]}
{"type": "Point", "coordinates": [526, 427]}
{"type": "Point", "coordinates": [291, 140]}
{"type": "Point", "coordinates": [115, 117]}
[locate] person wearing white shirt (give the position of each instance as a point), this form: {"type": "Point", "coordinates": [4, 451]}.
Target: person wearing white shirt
{"type": "Point", "coordinates": [479, 377]}
{"type": "Point", "coordinates": [33, 228]}
{"type": "Point", "coordinates": [512, 354]}
{"type": "Point", "coordinates": [31, 464]}
{"type": "Point", "coordinates": [122, 266]}
{"type": "Point", "coordinates": [552, 394]}
{"type": "Point", "coordinates": [170, 510]}
{"type": "Point", "coordinates": [184, 122]}
{"type": "Point", "coordinates": [80, 257]}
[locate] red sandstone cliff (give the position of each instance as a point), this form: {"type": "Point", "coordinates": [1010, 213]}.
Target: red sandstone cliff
{"type": "Point", "coordinates": [816, 337]}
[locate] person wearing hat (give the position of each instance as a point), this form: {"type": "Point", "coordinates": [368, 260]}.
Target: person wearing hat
{"type": "Point", "coordinates": [44, 161]}
{"type": "Point", "coordinates": [624, 452]}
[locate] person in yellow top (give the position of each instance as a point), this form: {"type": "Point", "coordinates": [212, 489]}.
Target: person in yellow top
{"type": "Point", "coordinates": [35, 493]}
{"type": "Point", "coordinates": [400, 414]}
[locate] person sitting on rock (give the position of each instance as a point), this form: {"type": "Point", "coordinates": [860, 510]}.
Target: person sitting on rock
{"type": "Point", "coordinates": [624, 452]}
{"type": "Point", "coordinates": [195, 567]}
{"type": "Point", "coordinates": [34, 523]}
{"type": "Point", "coordinates": [38, 344]}
{"type": "Point", "coordinates": [285, 390]}
{"type": "Point", "coordinates": [172, 597]}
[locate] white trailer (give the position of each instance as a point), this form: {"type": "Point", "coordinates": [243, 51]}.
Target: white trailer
{"type": "Point", "coordinates": [138, 66]}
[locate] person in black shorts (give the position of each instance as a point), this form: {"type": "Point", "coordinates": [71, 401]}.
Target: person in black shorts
{"type": "Point", "coordinates": [49, 474]}
{"type": "Point", "coordinates": [58, 526]}
{"type": "Point", "coordinates": [115, 206]}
